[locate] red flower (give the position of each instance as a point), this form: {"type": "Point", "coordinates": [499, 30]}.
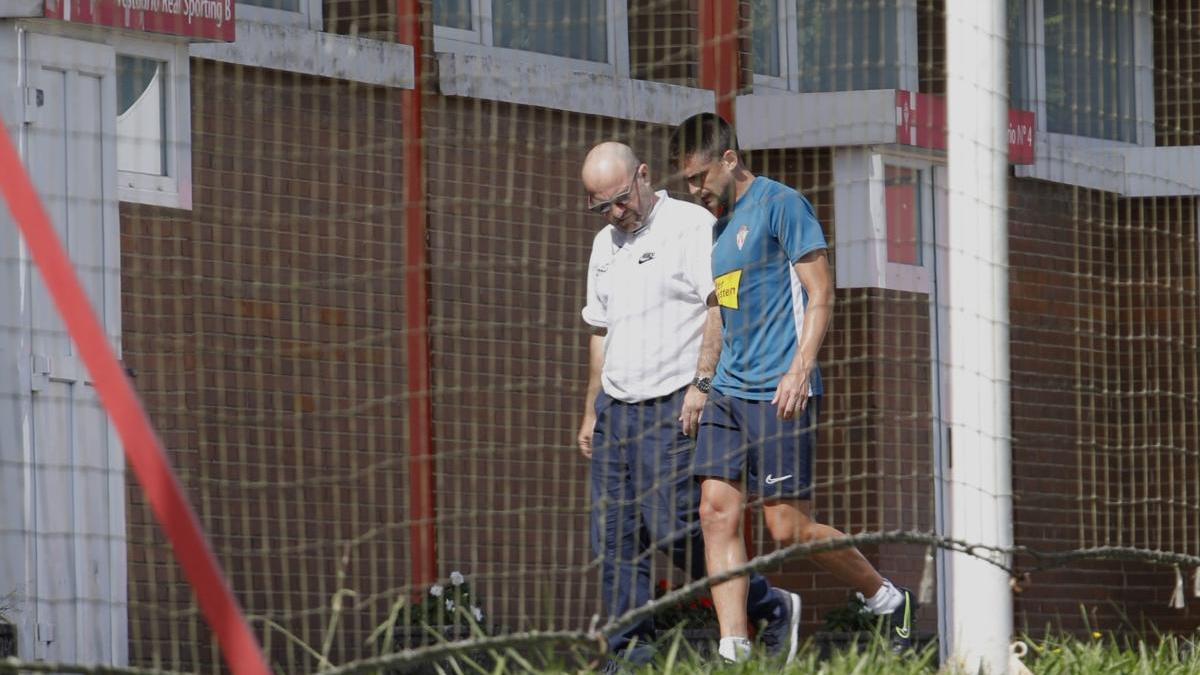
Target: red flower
{"type": "Point", "coordinates": [706, 603]}
{"type": "Point", "coordinates": [663, 585]}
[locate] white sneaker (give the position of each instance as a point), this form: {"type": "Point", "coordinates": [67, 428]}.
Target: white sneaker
{"type": "Point", "coordinates": [734, 649]}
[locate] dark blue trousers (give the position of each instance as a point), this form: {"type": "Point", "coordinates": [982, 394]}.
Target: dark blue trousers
{"type": "Point", "coordinates": [644, 498]}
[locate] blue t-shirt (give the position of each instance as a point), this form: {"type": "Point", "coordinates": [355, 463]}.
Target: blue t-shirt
{"type": "Point", "coordinates": [762, 302]}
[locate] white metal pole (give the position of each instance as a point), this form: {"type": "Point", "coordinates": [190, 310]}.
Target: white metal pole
{"type": "Point", "coordinates": [980, 493]}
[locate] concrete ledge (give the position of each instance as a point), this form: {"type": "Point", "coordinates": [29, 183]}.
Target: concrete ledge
{"type": "Point", "coordinates": [1130, 171]}
{"type": "Point", "coordinates": [300, 50]}
{"type": "Point", "coordinates": [11, 9]}
{"type": "Point", "coordinates": [831, 119]}
{"type": "Point", "coordinates": [510, 79]}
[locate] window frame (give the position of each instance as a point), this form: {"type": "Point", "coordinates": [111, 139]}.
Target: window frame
{"type": "Point", "coordinates": [309, 16]}
{"type": "Point", "coordinates": [479, 40]}
{"type": "Point", "coordinates": [789, 51]}
{"type": "Point", "coordinates": [1143, 79]}
{"type": "Point", "coordinates": [902, 276]}
{"type": "Point", "coordinates": [173, 190]}
{"type": "Point", "coordinates": [860, 202]}
{"type": "Point", "coordinates": [787, 13]}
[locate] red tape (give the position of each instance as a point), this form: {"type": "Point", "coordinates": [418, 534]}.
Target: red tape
{"type": "Point", "coordinates": [142, 447]}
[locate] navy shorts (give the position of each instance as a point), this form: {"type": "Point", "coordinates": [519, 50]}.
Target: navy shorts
{"type": "Point", "coordinates": [744, 440]}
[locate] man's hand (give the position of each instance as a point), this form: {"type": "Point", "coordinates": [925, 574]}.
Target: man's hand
{"type": "Point", "coordinates": [584, 439]}
{"type": "Point", "coordinates": [791, 395]}
{"type": "Point", "coordinates": [693, 406]}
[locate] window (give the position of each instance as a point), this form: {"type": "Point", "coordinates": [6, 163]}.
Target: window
{"type": "Point", "coordinates": [1085, 67]}
{"type": "Point", "coordinates": [888, 209]}
{"type": "Point", "coordinates": [585, 31]}
{"type": "Point", "coordinates": [303, 13]}
{"type": "Point", "coordinates": [902, 193]}
{"type": "Point", "coordinates": [453, 14]}
{"type": "Point", "coordinates": [153, 124]}
{"type": "Point", "coordinates": [283, 5]}
{"type": "Point", "coordinates": [1090, 68]}
{"type": "Point", "coordinates": [142, 133]}
{"type": "Point", "coordinates": [830, 45]}
{"type": "Point", "coordinates": [1018, 53]}
{"type": "Point", "coordinates": [767, 32]}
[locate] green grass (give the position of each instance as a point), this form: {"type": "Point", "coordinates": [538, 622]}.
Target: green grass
{"type": "Point", "coordinates": [873, 657]}
{"type": "Point", "coordinates": [1050, 656]}
{"type": "Point", "coordinates": [1101, 656]}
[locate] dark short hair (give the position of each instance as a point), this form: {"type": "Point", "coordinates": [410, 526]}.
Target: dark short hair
{"type": "Point", "coordinates": [703, 133]}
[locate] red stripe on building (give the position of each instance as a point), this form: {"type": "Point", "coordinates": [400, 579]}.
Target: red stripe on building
{"type": "Point", "coordinates": [421, 496]}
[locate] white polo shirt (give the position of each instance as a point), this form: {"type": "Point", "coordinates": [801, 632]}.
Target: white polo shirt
{"type": "Point", "coordinates": [648, 289]}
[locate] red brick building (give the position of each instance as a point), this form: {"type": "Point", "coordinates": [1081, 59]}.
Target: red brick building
{"type": "Point", "coordinates": [264, 283]}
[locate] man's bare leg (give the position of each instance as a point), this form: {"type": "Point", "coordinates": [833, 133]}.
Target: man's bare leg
{"type": "Point", "coordinates": [721, 507]}
{"type": "Point", "coordinates": [790, 522]}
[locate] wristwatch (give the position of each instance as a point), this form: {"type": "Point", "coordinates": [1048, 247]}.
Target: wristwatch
{"type": "Point", "coordinates": [704, 384]}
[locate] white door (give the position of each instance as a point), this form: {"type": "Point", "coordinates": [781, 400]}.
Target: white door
{"type": "Point", "coordinates": [76, 579]}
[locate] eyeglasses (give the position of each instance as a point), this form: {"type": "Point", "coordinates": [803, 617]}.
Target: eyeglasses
{"type": "Point", "coordinates": [622, 199]}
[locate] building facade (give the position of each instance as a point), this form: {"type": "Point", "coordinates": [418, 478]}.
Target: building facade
{"type": "Point", "coordinates": [276, 287]}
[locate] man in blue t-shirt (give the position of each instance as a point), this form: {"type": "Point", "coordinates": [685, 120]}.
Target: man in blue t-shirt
{"type": "Point", "coordinates": [758, 429]}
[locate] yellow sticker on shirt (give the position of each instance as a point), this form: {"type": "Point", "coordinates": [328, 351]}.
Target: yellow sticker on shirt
{"type": "Point", "coordinates": [727, 289]}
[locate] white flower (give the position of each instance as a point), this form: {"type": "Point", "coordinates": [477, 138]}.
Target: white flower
{"type": "Point", "coordinates": [456, 578]}
{"type": "Point", "coordinates": [477, 613]}
{"type": "Point", "coordinates": [449, 605]}
{"type": "Point", "coordinates": [436, 590]}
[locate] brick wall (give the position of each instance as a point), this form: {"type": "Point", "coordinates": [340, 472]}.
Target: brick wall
{"type": "Point", "coordinates": [931, 46]}
{"type": "Point", "coordinates": [745, 53]}
{"type": "Point", "coordinates": [1176, 69]}
{"type": "Point", "coordinates": [664, 39]}
{"type": "Point", "coordinates": [1047, 222]}
{"type": "Point", "coordinates": [266, 327]}
{"type": "Point", "coordinates": [1156, 394]}
{"type": "Point", "coordinates": [1103, 313]}
{"type": "Point", "coordinates": [374, 19]}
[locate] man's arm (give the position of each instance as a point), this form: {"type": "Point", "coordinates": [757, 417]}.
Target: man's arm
{"type": "Point", "coordinates": [813, 271]}
{"type": "Point", "coordinates": [710, 353]}
{"type": "Point", "coordinates": [595, 366]}
{"type": "Point", "coordinates": [710, 343]}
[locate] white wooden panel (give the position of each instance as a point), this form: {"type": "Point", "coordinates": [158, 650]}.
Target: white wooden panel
{"type": "Point", "coordinates": [47, 164]}
{"type": "Point", "coordinates": [54, 551]}
{"type": "Point", "coordinates": [87, 212]}
{"type": "Point", "coordinates": [77, 529]}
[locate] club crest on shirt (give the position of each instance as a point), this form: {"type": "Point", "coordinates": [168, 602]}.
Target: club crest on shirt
{"type": "Point", "coordinates": [742, 232]}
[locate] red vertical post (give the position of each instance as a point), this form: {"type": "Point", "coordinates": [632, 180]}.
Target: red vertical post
{"type": "Point", "coordinates": [720, 57]}
{"type": "Point", "coordinates": [421, 502]}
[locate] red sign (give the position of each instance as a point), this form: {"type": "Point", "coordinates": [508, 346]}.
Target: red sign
{"type": "Point", "coordinates": [1021, 126]}
{"type": "Point", "coordinates": [205, 19]}
{"type": "Point", "coordinates": [921, 122]}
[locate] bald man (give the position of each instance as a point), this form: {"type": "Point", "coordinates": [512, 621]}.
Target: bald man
{"type": "Point", "coordinates": [656, 337]}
